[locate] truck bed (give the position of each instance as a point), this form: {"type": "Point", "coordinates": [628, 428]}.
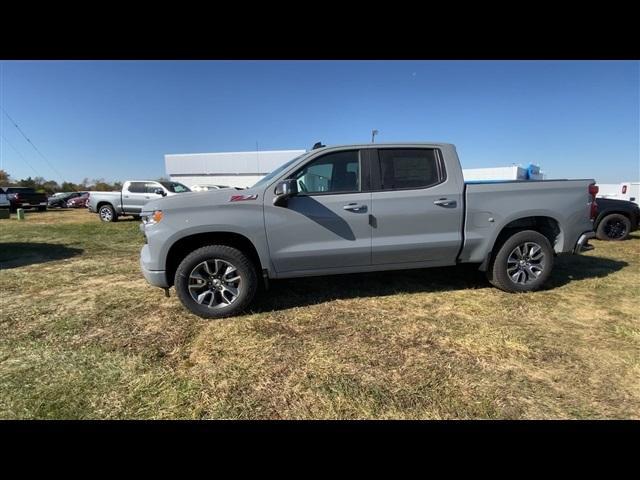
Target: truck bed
{"type": "Point", "coordinates": [489, 206]}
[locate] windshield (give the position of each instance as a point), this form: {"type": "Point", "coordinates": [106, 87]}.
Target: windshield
{"type": "Point", "coordinates": [266, 179]}
{"type": "Point", "coordinates": [175, 187]}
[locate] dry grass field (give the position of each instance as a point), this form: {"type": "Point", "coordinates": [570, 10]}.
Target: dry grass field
{"type": "Point", "coordinates": [83, 336]}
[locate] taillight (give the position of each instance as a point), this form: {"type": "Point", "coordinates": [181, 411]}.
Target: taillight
{"type": "Point", "coordinates": [593, 191]}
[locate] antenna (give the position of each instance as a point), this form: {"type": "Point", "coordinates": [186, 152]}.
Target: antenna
{"type": "Point", "coordinates": [373, 135]}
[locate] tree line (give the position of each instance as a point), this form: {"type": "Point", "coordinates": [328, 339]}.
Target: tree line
{"type": "Point", "coordinates": [51, 186]}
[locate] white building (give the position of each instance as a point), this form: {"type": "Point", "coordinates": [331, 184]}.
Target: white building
{"type": "Point", "coordinates": [233, 169]}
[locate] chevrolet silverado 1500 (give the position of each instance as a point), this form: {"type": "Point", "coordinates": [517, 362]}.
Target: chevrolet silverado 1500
{"type": "Point", "coordinates": [360, 208]}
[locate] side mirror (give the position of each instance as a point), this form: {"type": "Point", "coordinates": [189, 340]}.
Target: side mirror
{"type": "Point", "coordinates": [159, 191]}
{"type": "Point", "coordinates": [285, 190]}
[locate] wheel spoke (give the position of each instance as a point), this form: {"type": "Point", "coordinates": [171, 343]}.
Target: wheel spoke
{"type": "Point", "coordinates": [205, 265]}
{"type": "Point", "coordinates": [218, 266]}
{"type": "Point", "coordinates": [232, 290]}
{"type": "Point", "coordinates": [200, 298]}
{"type": "Point", "coordinates": [535, 252]}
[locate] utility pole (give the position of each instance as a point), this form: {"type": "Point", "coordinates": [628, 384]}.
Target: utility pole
{"type": "Point", "coordinates": [373, 135]}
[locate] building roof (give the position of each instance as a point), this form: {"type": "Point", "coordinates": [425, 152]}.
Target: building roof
{"type": "Point", "coordinates": [234, 163]}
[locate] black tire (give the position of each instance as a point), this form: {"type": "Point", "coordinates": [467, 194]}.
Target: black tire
{"type": "Point", "coordinates": [106, 213]}
{"type": "Point", "coordinates": [498, 274]}
{"type": "Point", "coordinates": [245, 270]}
{"type": "Point", "coordinates": [614, 226]}
{"type": "Point", "coordinates": [42, 209]}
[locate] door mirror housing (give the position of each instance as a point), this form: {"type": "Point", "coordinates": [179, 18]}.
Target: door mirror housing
{"type": "Point", "coordinates": [159, 191]}
{"type": "Point", "coordinates": [285, 190]}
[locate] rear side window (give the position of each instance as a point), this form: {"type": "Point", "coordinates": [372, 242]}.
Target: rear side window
{"type": "Point", "coordinates": [409, 168]}
{"type": "Point", "coordinates": [137, 187]}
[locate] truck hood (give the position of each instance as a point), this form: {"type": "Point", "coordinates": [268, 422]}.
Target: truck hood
{"type": "Point", "coordinates": [200, 199]}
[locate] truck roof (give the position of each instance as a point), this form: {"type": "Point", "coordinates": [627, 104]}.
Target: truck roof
{"type": "Point", "coordinates": [387, 144]}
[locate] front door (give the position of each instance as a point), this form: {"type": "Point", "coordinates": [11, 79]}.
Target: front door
{"type": "Point", "coordinates": [327, 224]}
{"type": "Point", "coordinates": [417, 211]}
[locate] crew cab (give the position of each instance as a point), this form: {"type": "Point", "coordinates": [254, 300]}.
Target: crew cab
{"type": "Point", "coordinates": [25, 197]}
{"type": "Point", "coordinates": [135, 194]}
{"type": "Point", "coordinates": [360, 208]}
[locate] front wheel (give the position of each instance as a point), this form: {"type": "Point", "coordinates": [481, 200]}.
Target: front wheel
{"type": "Point", "coordinates": [107, 214]}
{"type": "Point", "coordinates": [216, 281]}
{"type": "Point", "coordinates": [613, 227]}
{"type": "Point", "coordinates": [523, 262]}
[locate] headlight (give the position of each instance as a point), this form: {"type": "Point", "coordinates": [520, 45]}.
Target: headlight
{"type": "Point", "coordinates": [152, 218]}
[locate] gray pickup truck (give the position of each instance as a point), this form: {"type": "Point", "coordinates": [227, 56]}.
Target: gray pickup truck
{"type": "Point", "coordinates": [360, 208]}
{"type": "Point", "coordinates": [134, 195]}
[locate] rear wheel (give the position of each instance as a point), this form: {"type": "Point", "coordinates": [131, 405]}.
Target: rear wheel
{"type": "Point", "coordinates": [523, 262]}
{"type": "Point", "coordinates": [613, 227]}
{"type": "Point", "coordinates": [216, 281]}
{"type": "Point", "coordinates": [42, 209]}
{"type": "Point", "coordinates": [107, 213]}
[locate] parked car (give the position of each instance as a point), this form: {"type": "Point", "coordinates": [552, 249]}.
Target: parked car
{"type": "Point", "coordinates": [4, 200]}
{"type": "Point", "coordinates": [616, 219]}
{"type": "Point", "coordinates": [79, 201]}
{"type": "Point", "coordinates": [360, 208]}
{"type": "Point", "coordinates": [205, 188]}
{"type": "Point", "coordinates": [25, 197]}
{"type": "Point", "coordinates": [62, 199]}
{"type": "Point", "coordinates": [134, 195]}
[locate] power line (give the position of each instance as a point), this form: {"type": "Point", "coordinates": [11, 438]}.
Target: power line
{"type": "Point", "coordinates": [32, 144]}
{"type": "Point", "coordinates": [21, 156]}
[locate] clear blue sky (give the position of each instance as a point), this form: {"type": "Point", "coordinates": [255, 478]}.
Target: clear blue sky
{"type": "Point", "coordinates": [116, 120]}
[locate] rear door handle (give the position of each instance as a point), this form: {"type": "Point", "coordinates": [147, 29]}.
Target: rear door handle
{"type": "Point", "coordinates": [443, 202]}
{"type": "Point", "coordinates": [354, 207]}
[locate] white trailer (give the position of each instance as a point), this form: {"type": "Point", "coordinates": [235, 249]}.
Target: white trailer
{"type": "Point", "coordinates": [629, 191]}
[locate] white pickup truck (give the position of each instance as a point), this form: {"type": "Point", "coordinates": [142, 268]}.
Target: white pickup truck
{"type": "Point", "coordinates": [134, 195]}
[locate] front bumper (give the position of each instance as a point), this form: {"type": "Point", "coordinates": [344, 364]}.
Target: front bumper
{"type": "Point", "coordinates": [582, 245]}
{"type": "Point", "coordinates": [157, 278]}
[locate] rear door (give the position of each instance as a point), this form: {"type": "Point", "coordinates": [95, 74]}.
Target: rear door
{"type": "Point", "coordinates": [416, 209]}
{"type": "Point", "coordinates": [327, 224]}
{"type": "Point", "coordinates": [134, 197]}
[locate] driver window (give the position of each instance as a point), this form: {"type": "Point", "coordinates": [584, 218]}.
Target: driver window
{"type": "Point", "coordinates": [334, 172]}
{"type": "Point", "coordinates": [152, 187]}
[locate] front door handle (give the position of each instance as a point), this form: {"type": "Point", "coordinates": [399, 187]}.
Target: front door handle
{"type": "Point", "coordinates": [443, 202]}
{"type": "Point", "coordinates": [354, 207]}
